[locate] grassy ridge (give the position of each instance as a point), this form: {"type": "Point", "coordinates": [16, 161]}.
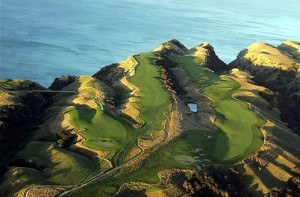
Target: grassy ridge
{"type": "Point", "coordinates": [239, 133]}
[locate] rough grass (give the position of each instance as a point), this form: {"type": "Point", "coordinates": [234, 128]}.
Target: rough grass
{"type": "Point", "coordinates": [239, 134]}
{"type": "Point", "coordinates": [18, 177]}
{"type": "Point", "coordinates": [62, 166]}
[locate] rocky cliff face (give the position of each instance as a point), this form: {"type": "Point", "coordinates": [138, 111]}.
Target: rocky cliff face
{"type": "Point", "coordinates": [206, 52]}
{"type": "Point", "coordinates": [61, 82]}
{"type": "Point", "coordinates": [172, 47]}
{"type": "Point", "coordinates": [277, 68]}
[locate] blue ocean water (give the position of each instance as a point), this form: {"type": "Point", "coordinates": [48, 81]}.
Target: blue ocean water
{"type": "Point", "coordinates": [44, 39]}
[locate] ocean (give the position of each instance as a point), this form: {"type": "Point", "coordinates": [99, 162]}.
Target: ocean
{"type": "Point", "coordinates": [44, 39]}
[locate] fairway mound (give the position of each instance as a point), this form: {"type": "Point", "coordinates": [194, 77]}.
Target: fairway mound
{"type": "Point", "coordinates": [185, 160]}
{"type": "Point", "coordinates": [108, 143]}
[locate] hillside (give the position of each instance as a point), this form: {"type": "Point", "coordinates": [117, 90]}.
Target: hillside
{"type": "Point", "coordinates": [278, 69]}
{"type": "Point", "coordinates": [170, 122]}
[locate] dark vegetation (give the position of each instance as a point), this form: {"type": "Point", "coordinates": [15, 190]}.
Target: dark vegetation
{"type": "Point", "coordinates": [65, 138]}
{"type": "Point", "coordinates": [61, 82]}
{"type": "Point", "coordinates": [166, 65]}
{"type": "Point", "coordinates": [110, 74]}
{"type": "Point", "coordinates": [218, 181]}
{"type": "Point", "coordinates": [16, 123]}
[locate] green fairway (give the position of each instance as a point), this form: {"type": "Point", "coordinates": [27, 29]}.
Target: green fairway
{"type": "Point", "coordinates": [103, 131]}
{"type": "Point", "coordinates": [153, 99]}
{"type": "Point", "coordinates": [239, 132]}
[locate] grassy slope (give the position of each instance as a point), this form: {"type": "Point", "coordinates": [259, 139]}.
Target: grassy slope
{"type": "Point", "coordinates": [61, 165]}
{"type": "Point", "coordinates": [9, 83]}
{"type": "Point", "coordinates": [239, 133]}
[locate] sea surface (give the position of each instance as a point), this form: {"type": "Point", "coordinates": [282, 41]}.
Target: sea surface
{"type": "Point", "coordinates": [44, 39]}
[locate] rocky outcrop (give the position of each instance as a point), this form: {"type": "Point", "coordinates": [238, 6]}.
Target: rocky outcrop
{"type": "Point", "coordinates": [277, 68]}
{"type": "Point", "coordinates": [172, 47]}
{"type": "Point", "coordinates": [61, 82]}
{"type": "Point", "coordinates": [210, 60]}
{"type": "Point", "coordinates": [110, 74]}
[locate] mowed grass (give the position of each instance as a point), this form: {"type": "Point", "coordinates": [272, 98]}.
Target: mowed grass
{"type": "Point", "coordinates": [239, 127]}
{"type": "Point", "coordinates": [153, 99]}
{"type": "Point", "coordinates": [101, 129]}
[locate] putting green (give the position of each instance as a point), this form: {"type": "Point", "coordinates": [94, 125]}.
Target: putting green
{"type": "Point", "coordinates": [239, 132]}
{"type": "Point", "coordinates": [103, 130]}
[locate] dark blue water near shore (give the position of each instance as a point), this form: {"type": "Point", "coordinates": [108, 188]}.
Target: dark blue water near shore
{"type": "Point", "coordinates": [43, 39]}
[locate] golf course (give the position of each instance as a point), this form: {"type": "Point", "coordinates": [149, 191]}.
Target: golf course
{"type": "Point", "coordinates": [160, 123]}
{"type": "Point", "coordinates": [152, 99]}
